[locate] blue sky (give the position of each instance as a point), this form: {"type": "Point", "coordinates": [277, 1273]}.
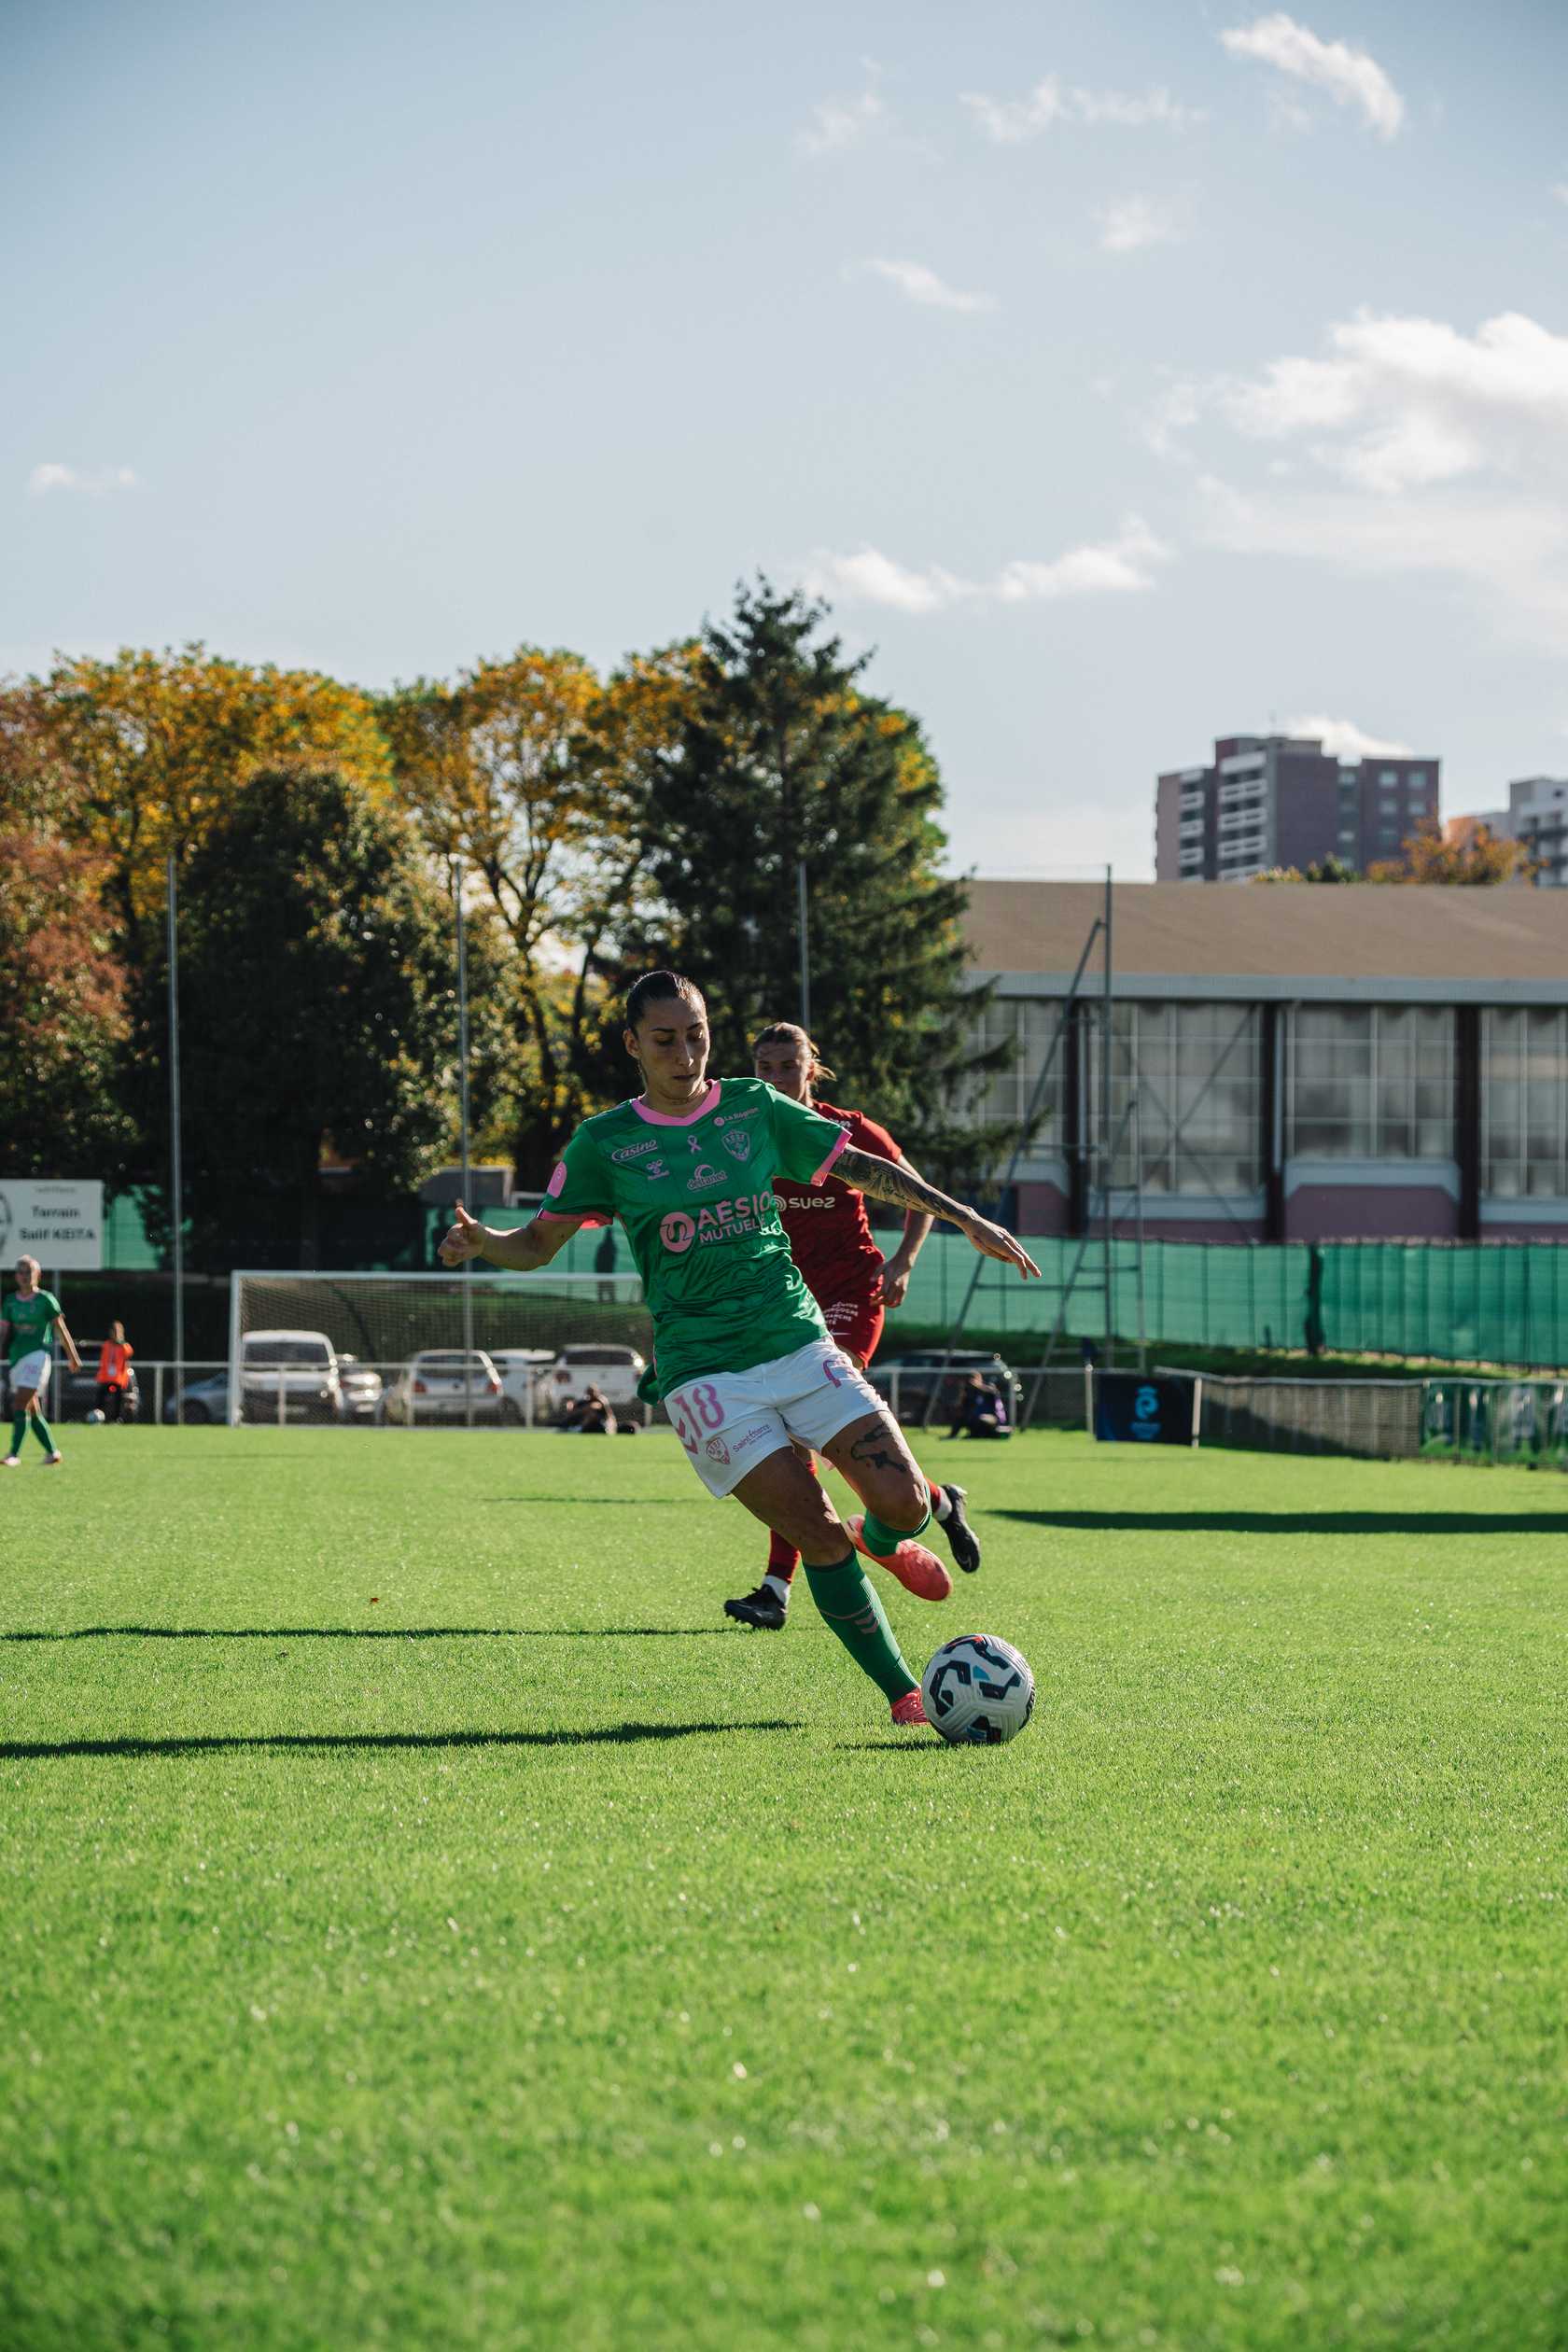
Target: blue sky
{"type": "Point", "coordinates": [1125, 376]}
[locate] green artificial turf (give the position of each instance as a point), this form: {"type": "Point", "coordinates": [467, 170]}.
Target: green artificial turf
{"type": "Point", "coordinates": [426, 1923]}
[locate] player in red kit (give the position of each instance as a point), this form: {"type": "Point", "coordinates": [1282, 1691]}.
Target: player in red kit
{"type": "Point", "coordinates": [832, 1244]}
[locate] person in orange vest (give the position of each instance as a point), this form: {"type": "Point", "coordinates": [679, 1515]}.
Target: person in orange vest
{"type": "Point", "coordinates": [114, 1373]}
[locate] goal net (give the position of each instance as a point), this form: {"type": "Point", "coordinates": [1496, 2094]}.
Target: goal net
{"type": "Point", "coordinates": [424, 1351]}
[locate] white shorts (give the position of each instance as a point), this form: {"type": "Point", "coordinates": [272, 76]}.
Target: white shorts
{"type": "Point", "coordinates": [732, 1420]}
{"type": "Point", "coordinates": [31, 1371]}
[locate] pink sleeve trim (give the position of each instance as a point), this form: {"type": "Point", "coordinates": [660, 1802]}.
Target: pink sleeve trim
{"type": "Point", "coordinates": [573, 1217]}
{"type": "Point", "coordinates": [839, 1146]}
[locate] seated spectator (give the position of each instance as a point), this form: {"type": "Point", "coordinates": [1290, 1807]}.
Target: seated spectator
{"type": "Point", "coordinates": [982, 1411]}
{"type": "Point", "coordinates": [114, 1373]}
{"type": "Point", "coordinates": [589, 1414]}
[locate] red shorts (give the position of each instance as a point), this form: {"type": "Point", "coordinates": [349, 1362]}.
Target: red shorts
{"type": "Point", "coordinates": [854, 1318]}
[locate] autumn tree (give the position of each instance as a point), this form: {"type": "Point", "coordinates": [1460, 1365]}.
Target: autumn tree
{"type": "Point", "coordinates": [782, 759]}
{"type": "Point", "coordinates": [63, 1011]}
{"type": "Point", "coordinates": [142, 754]}
{"type": "Point", "coordinates": [1329, 869]}
{"type": "Point", "coordinates": [1471, 856]}
{"type": "Point", "coordinates": [318, 1001]}
{"type": "Point", "coordinates": [539, 773]}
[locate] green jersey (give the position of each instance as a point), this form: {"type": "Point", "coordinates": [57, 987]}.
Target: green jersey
{"type": "Point", "coordinates": [30, 1320]}
{"type": "Point", "coordinates": [695, 1196]}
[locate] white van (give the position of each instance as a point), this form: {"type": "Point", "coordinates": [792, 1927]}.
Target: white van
{"type": "Point", "coordinates": [289, 1376]}
{"type": "Point", "coordinates": [613, 1371]}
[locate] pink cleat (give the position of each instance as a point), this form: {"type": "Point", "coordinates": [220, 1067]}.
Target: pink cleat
{"type": "Point", "coordinates": [918, 1570]}
{"type": "Point", "coordinates": [911, 1708]}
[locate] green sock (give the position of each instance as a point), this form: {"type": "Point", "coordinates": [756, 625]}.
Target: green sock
{"type": "Point", "coordinates": [850, 1606]}
{"type": "Point", "coordinates": [42, 1432]}
{"type": "Point", "coordinates": [882, 1541]}
{"type": "Point", "coordinates": [19, 1431]}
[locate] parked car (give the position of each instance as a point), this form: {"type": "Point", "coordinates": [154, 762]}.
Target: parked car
{"type": "Point", "coordinates": [613, 1371]}
{"type": "Point", "coordinates": [360, 1385]}
{"type": "Point", "coordinates": [290, 1375]}
{"type": "Point", "coordinates": [921, 1370]}
{"type": "Point", "coordinates": [525, 1380]}
{"type": "Point", "coordinates": [204, 1400]}
{"type": "Point", "coordinates": [77, 1392]}
{"type": "Point", "coordinates": [437, 1386]}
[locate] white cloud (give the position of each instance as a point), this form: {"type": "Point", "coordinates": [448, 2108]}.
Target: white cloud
{"type": "Point", "coordinates": [1007, 121]}
{"type": "Point", "coordinates": [1560, 190]}
{"type": "Point", "coordinates": [1342, 740]}
{"type": "Point", "coordinates": [921, 284]}
{"type": "Point", "coordinates": [839, 123]}
{"type": "Point", "coordinates": [1407, 447]}
{"type": "Point", "coordinates": [1351, 77]}
{"type": "Point", "coordinates": [94, 480]}
{"type": "Point", "coordinates": [1417, 401]}
{"type": "Point", "coordinates": [1130, 226]}
{"type": "Point", "coordinates": [1119, 566]}
{"type": "Point", "coordinates": [1511, 554]}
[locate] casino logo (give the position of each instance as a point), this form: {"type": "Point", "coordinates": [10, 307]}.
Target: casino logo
{"type": "Point", "coordinates": [676, 1232]}
{"type": "Point", "coordinates": [737, 1143]}
{"type": "Point", "coordinates": [635, 1151]}
{"type": "Point", "coordinates": [718, 1449]}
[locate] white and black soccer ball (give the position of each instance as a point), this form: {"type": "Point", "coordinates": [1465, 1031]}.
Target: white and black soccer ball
{"type": "Point", "coordinates": [95, 1417]}
{"type": "Point", "coordinates": [979, 1691]}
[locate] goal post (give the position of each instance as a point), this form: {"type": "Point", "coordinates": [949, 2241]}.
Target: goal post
{"type": "Point", "coordinates": [309, 1346]}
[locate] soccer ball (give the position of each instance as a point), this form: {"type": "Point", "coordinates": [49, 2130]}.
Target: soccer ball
{"type": "Point", "coordinates": [978, 1691]}
{"type": "Point", "coordinates": [95, 1417]}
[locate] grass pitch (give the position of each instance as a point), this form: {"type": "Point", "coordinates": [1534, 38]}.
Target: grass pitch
{"type": "Point", "coordinates": [426, 1923]}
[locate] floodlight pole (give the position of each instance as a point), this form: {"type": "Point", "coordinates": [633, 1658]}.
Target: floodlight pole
{"type": "Point", "coordinates": [1107, 1148]}
{"type": "Point", "coordinates": [466, 1293]}
{"type": "Point", "coordinates": [176, 1181]}
{"type": "Point", "coordinates": [803, 905]}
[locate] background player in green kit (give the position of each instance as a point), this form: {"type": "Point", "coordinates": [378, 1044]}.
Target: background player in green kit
{"type": "Point", "coordinates": [743, 1359]}
{"type": "Point", "coordinates": [30, 1315]}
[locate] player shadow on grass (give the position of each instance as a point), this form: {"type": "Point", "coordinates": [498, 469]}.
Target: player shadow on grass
{"type": "Point", "coordinates": [1299, 1522]}
{"type": "Point", "coordinates": [281, 1742]}
{"type": "Point", "coordinates": [376, 1634]}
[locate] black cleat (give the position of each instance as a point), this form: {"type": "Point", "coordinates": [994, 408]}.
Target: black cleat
{"type": "Point", "coordinates": [961, 1538]}
{"type": "Point", "coordinates": [761, 1608]}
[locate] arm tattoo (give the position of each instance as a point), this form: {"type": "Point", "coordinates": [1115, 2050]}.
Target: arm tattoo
{"type": "Point", "coordinates": [884, 1180]}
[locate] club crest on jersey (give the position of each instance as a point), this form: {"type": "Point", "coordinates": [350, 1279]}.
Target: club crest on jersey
{"type": "Point", "coordinates": [718, 1450]}
{"type": "Point", "coordinates": [736, 1142]}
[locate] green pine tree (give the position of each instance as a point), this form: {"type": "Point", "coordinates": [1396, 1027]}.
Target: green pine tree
{"type": "Point", "coordinates": [782, 759]}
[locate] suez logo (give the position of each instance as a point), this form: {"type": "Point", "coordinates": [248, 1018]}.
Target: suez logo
{"type": "Point", "coordinates": [682, 1228]}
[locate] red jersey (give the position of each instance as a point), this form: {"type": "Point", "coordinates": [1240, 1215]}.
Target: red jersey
{"type": "Point", "coordinates": [828, 1230]}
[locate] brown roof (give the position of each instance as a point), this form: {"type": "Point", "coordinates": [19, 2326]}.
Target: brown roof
{"type": "Point", "coordinates": [1356, 940]}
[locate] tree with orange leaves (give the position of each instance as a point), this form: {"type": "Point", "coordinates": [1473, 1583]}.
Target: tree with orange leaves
{"type": "Point", "coordinates": [1469, 855]}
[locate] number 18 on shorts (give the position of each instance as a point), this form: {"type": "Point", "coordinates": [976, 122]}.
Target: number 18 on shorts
{"type": "Point", "coordinates": [734, 1420]}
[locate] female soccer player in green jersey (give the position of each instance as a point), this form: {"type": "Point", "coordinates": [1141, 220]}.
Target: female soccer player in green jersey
{"type": "Point", "coordinates": [743, 1360]}
{"type": "Point", "coordinates": [30, 1315]}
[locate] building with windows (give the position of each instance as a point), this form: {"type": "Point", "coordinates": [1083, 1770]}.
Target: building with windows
{"type": "Point", "coordinates": [1267, 801]}
{"type": "Point", "coordinates": [1309, 1063]}
{"type": "Point", "coordinates": [1537, 815]}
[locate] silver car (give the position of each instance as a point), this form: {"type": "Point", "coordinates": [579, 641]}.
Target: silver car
{"type": "Point", "coordinates": [444, 1384]}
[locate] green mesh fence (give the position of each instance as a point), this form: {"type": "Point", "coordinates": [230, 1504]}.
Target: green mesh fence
{"type": "Point", "coordinates": [1506, 1304]}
